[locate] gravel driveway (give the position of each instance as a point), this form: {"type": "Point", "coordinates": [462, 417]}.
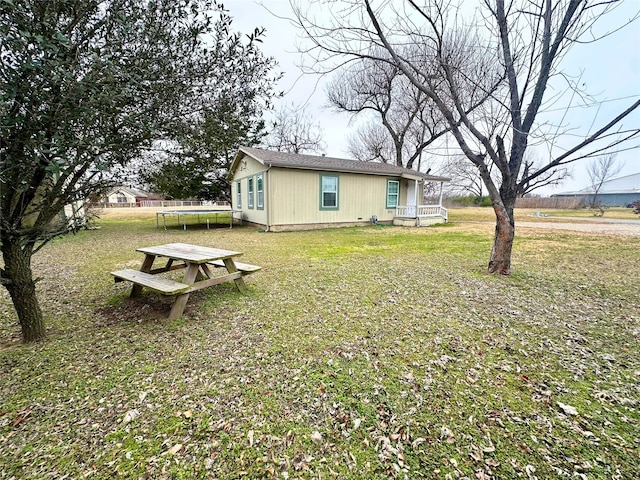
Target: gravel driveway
{"type": "Point", "coordinates": [595, 226]}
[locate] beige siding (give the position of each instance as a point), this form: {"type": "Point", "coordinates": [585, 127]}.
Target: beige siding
{"type": "Point", "coordinates": [404, 187]}
{"type": "Point", "coordinates": [295, 198]}
{"type": "Point", "coordinates": [249, 168]}
{"type": "Point", "coordinates": [292, 197]}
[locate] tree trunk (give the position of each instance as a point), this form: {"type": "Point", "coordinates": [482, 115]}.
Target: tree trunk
{"type": "Point", "coordinates": [18, 280]}
{"type": "Point", "coordinates": [500, 261]}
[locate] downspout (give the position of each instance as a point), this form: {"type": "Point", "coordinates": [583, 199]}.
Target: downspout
{"type": "Point", "coordinates": [267, 207]}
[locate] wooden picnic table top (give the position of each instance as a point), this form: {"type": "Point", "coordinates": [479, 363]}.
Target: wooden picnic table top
{"type": "Point", "coordinates": [189, 253]}
{"type": "Point", "coordinates": [196, 260]}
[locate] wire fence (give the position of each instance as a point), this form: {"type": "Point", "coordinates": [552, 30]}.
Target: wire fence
{"type": "Point", "coordinates": [159, 204]}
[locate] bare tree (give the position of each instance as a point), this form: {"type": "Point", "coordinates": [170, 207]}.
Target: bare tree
{"type": "Point", "coordinates": [487, 75]}
{"type": "Point", "coordinates": [406, 120]}
{"type": "Point", "coordinates": [293, 130]}
{"type": "Point", "coordinates": [371, 143]}
{"type": "Point", "coordinates": [601, 170]}
{"type": "Point", "coordinates": [465, 177]}
{"type": "Point", "coordinates": [531, 163]}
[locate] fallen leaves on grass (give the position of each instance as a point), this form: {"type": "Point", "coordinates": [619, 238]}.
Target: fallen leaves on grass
{"type": "Point", "coordinates": [567, 409]}
{"type": "Point", "coordinates": [363, 354]}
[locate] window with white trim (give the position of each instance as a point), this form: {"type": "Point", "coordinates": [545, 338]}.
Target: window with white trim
{"type": "Point", "coordinates": [250, 192]}
{"type": "Point", "coordinates": [393, 193]}
{"type": "Point", "coordinates": [329, 192]}
{"type": "Point", "coordinates": [238, 194]}
{"type": "Point", "coordinates": [260, 191]}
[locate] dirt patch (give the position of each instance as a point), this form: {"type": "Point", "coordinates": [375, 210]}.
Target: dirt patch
{"type": "Point", "coordinates": [149, 309]}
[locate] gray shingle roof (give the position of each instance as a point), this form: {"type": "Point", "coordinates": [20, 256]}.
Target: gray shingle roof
{"type": "Point", "coordinates": [134, 192]}
{"type": "Point", "coordinates": [331, 164]}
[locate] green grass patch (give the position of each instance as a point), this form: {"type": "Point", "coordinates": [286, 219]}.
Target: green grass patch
{"type": "Point", "coordinates": [358, 353]}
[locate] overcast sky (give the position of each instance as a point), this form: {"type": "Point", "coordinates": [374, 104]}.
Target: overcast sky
{"type": "Point", "coordinates": [610, 69]}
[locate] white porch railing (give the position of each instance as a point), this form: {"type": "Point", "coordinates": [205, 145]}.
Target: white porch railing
{"type": "Point", "coordinates": [417, 211]}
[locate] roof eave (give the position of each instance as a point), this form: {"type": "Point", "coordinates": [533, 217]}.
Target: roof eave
{"type": "Point", "coordinates": [354, 170]}
{"type": "Point", "coordinates": [428, 178]}
{"type": "Point", "coordinates": [237, 159]}
{"type": "Point", "coordinates": [234, 164]}
{"type": "Point", "coordinates": [323, 168]}
{"type": "Point", "coordinates": [410, 176]}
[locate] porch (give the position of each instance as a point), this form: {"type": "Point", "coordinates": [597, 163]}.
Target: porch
{"type": "Point", "coordinates": [420, 215]}
{"type": "Point", "coordinates": [415, 215]}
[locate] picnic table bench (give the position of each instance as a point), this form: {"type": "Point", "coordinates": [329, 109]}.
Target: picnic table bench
{"type": "Point", "coordinates": [195, 260]}
{"type": "Point", "coordinates": [245, 268]}
{"type": "Point", "coordinates": [162, 285]}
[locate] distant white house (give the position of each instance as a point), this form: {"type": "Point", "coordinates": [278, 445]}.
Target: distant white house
{"type": "Point", "coordinates": [617, 192]}
{"type": "Point", "coordinates": [129, 195]}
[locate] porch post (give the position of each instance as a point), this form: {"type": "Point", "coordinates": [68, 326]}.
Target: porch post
{"type": "Point", "coordinates": [440, 199]}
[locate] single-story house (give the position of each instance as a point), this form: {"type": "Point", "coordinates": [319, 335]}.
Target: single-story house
{"type": "Point", "coordinates": [129, 195]}
{"type": "Point", "coordinates": [617, 192]}
{"type": "Point", "coordinates": [285, 191]}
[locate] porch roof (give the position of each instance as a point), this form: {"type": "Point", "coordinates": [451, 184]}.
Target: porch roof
{"type": "Point", "coordinates": [313, 162]}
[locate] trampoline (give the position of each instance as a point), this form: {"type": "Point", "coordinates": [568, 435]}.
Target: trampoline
{"type": "Point", "coordinates": [185, 213]}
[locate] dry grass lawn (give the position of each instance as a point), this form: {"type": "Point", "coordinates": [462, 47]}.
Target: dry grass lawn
{"type": "Point", "coordinates": [357, 353]}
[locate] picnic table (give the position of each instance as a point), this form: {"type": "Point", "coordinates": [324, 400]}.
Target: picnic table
{"type": "Point", "coordinates": [199, 263]}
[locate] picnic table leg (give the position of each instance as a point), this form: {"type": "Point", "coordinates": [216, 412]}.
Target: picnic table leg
{"type": "Point", "coordinates": [177, 309]}
{"type": "Point", "coordinates": [200, 276]}
{"type": "Point", "coordinates": [207, 270]}
{"type": "Point", "coordinates": [231, 268]}
{"type": "Point", "coordinates": [136, 290]}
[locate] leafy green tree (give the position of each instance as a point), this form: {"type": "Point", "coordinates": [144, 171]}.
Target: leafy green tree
{"type": "Point", "coordinates": [229, 116]}
{"type": "Point", "coordinates": [199, 162]}
{"type": "Point", "coordinates": [86, 86]}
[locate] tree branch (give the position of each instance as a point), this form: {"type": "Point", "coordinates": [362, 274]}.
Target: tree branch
{"type": "Point", "coordinates": [596, 136]}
